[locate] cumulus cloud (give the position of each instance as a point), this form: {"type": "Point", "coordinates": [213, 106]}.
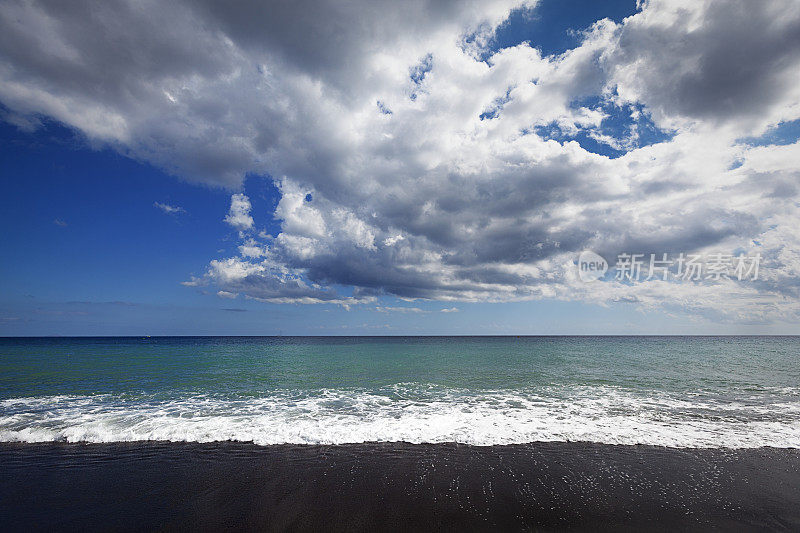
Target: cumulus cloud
{"type": "Point", "coordinates": [239, 213]}
{"type": "Point", "coordinates": [227, 295]}
{"type": "Point", "coordinates": [413, 160]}
{"type": "Point", "coordinates": [719, 62]}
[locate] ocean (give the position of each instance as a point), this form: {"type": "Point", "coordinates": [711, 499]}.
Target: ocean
{"type": "Point", "coordinates": [679, 392]}
{"type": "Point", "coordinates": [400, 434]}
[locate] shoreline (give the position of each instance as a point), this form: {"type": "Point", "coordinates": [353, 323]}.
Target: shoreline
{"type": "Point", "coordinates": [395, 486]}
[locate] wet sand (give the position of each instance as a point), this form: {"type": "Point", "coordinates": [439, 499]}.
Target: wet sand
{"type": "Point", "coordinates": [402, 487]}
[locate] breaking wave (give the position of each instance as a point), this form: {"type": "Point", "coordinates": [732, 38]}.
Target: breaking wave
{"type": "Point", "coordinates": [417, 414]}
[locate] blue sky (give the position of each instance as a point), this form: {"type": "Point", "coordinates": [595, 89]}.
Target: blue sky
{"type": "Point", "coordinates": [89, 254]}
{"type": "Point", "coordinates": [384, 201]}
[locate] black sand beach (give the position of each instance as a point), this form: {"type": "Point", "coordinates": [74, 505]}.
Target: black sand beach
{"type": "Point", "coordinates": [368, 487]}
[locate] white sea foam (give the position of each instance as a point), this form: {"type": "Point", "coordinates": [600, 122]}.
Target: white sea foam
{"type": "Point", "coordinates": [416, 414]}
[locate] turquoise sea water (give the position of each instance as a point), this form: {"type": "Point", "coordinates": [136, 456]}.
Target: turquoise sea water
{"type": "Point", "coordinates": [673, 391]}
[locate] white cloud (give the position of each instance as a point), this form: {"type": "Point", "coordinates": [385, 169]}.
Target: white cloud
{"type": "Point", "coordinates": [391, 241]}
{"type": "Point", "coordinates": [227, 295]}
{"type": "Point", "coordinates": [389, 309]}
{"type": "Point", "coordinates": [703, 63]}
{"type": "Point", "coordinates": [195, 282]}
{"type": "Point", "coordinates": [473, 188]}
{"type": "Point", "coordinates": [450, 310]}
{"type": "Point", "coordinates": [239, 214]}
{"type": "Point", "coordinates": [169, 209]}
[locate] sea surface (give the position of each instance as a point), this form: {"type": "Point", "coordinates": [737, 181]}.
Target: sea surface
{"type": "Point", "coordinates": [682, 392]}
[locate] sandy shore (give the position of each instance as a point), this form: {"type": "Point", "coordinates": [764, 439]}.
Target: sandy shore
{"type": "Point", "coordinates": [364, 487]}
